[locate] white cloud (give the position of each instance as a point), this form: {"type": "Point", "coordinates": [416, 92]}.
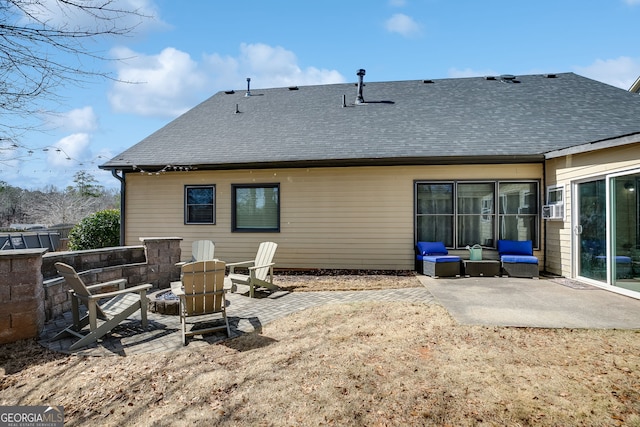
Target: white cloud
{"type": "Point", "coordinates": [468, 72]}
{"type": "Point", "coordinates": [171, 82]}
{"type": "Point", "coordinates": [267, 66]}
{"type": "Point", "coordinates": [278, 67]}
{"type": "Point", "coordinates": [69, 150]}
{"type": "Point", "coordinates": [163, 85]}
{"type": "Point", "coordinates": [621, 72]}
{"type": "Point", "coordinates": [224, 71]}
{"type": "Point", "coordinates": [403, 25]}
{"type": "Point", "coordinates": [81, 119]}
{"type": "Point", "coordinates": [78, 120]}
{"type": "Point", "coordinates": [632, 2]}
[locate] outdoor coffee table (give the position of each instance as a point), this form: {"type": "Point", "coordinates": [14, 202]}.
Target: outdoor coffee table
{"type": "Point", "coordinates": [485, 267]}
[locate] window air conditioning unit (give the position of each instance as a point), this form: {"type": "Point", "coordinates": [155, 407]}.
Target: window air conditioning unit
{"type": "Point", "coordinates": [555, 211]}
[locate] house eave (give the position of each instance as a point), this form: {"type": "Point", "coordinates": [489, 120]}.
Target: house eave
{"type": "Point", "coordinates": [595, 145]}
{"type": "Point", "coordinates": [635, 87]}
{"type": "Point", "coordinates": [319, 163]}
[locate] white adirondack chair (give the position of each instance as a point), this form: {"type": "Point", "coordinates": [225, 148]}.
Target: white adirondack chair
{"type": "Point", "coordinates": [260, 270]}
{"type": "Point", "coordinates": [201, 250]}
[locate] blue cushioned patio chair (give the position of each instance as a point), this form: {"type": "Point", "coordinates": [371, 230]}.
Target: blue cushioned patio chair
{"type": "Point", "coordinates": [433, 259]}
{"type": "Point", "coordinates": [516, 257]}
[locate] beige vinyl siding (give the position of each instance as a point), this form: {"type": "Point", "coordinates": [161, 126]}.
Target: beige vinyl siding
{"type": "Point", "coordinates": [330, 218]}
{"type": "Point", "coordinates": [564, 171]}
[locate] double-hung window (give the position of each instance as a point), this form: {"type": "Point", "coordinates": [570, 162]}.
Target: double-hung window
{"type": "Point", "coordinates": [255, 208]}
{"type": "Point", "coordinates": [200, 204]}
{"type": "Point", "coordinates": [466, 213]}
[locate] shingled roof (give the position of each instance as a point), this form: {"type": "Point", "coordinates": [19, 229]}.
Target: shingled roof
{"type": "Point", "coordinates": [462, 120]}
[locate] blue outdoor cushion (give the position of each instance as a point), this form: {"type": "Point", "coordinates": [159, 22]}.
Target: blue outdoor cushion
{"type": "Point", "coordinates": [441, 258]}
{"type": "Point", "coordinates": [620, 259]}
{"type": "Point", "coordinates": [431, 248]}
{"type": "Point", "coordinates": [519, 259]}
{"type": "Point", "coordinates": [515, 247]}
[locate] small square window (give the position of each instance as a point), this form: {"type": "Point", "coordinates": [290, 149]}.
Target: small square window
{"type": "Point", "coordinates": [200, 204]}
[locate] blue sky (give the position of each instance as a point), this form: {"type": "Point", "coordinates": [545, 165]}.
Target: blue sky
{"type": "Point", "coordinates": [190, 50]}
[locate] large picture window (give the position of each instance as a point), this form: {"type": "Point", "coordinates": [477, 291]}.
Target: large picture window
{"type": "Point", "coordinates": [467, 213]}
{"type": "Point", "coordinates": [200, 204]}
{"type": "Point", "coordinates": [518, 217]}
{"type": "Point", "coordinates": [475, 212]}
{"type": "Point", "coordinates": [256, 208]}
{"type": "Point", "coordinates": [435, 213]}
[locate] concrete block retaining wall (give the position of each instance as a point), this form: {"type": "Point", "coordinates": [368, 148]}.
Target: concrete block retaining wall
{"type": "Point", "coordinates": [31, 292]}
{"type": "Point", "coordinates": [91, 259]}
{"type": "Point", "coordinates": [21, 294]}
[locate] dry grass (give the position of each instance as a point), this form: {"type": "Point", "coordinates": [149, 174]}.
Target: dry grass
{"type": "Point", "coordinates": [328, 281]}
{"type": "Point", "coordinates": [374, 364]}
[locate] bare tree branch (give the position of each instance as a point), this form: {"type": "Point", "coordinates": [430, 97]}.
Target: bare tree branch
{"type": "Point", "coordinates": [43, 47]}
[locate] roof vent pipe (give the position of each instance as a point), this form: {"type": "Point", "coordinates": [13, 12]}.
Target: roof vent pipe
{"type": "Point", "coordinates": [360, 98]}
{"type": "Point", "coordinates": [248, 87]}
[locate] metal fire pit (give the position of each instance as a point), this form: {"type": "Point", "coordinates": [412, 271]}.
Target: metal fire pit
{"type": "Point", "coordinates": [164, 301]}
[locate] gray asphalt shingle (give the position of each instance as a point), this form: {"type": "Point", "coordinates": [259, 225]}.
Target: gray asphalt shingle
{"type": "Point", "coordinates": [410, 121]}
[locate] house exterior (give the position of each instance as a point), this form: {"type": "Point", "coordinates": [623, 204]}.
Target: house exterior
{"type": "Point", "coordinates": [350, 176]}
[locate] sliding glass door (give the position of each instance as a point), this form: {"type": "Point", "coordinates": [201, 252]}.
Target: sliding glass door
{"type": "Point", "coordinates": [618, 263]}
{"type": "Point", "coordinates": [590, 230]}
{"type": "Point", "coordinates": [625, 233]}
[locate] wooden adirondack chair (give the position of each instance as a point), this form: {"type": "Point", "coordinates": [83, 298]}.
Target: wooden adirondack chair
{"type": "Point", "coordinates": [120, 305]}
{"type": "Point", "coordinates": [201, 292]}
{"type": "Point", "coordinates": [201, 250]}
{"type": "Point", "coordinates": [260, 270]}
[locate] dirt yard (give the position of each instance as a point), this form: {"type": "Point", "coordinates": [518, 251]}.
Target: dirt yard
{"type": "Point", "coordinates": [374, 364]}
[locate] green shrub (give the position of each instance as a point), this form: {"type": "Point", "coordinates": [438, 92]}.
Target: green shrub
{"type": "Point", "coordinates": [98, 230]}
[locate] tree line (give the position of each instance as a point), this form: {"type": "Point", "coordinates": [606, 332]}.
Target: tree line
{"type": "Point", "coordinates": [53, 206]}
